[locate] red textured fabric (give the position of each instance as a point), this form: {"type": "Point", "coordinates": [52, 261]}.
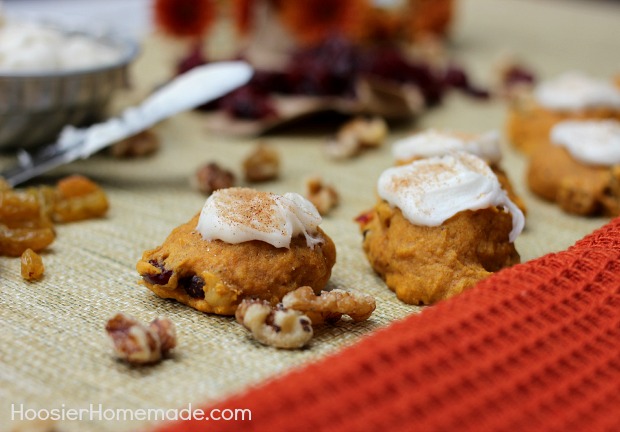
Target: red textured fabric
{"type": "Point", "coordinates": [533, 348]}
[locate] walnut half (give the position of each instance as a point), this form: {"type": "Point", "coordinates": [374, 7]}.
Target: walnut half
{"type": "Point", "coordinates": [139, 344]}
{"type": "Point", "coordinates": [356, 135]}
{"type": "Point", "coordinates": [278, 327]}
{"type": "Point", "coordinates": [330, 305]}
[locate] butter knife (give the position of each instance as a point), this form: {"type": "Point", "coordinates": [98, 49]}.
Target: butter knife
{"type": "Point", "coordinates": [187, 91]}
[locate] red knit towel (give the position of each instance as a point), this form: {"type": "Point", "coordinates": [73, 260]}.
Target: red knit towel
{"type": "Point", "coordinates": [533, 348]}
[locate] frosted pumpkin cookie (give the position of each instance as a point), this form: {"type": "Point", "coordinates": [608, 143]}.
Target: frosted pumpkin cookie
{"type": "Point", "coordinates": [571, 96]}
{"type": "Point", "coordinates": [579, 167]}
{"type": "Point", "coordinates": [440, 143]}
{"type": "Point", "coordinates": [441, 225]}
{"type": "Point", "coordinates": [243, 244]}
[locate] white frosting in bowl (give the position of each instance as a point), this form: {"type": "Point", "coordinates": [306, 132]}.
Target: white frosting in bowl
{"type": "Point", "coordinates": [237, 215]}
{"type": "Point", "coordinates": [594, 142]}
{"type": "Point", "coordinates": [32, 47]}
{"type": "Point", "coordinates": [573, 91]}
{"type": "Point", "coordinates": [431, 191]}
{"type": "Point", "coordinates": [438, 143]}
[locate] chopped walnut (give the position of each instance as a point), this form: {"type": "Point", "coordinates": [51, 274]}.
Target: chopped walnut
{"type": "Point", "coordinates": [371, 132]}
{"type": "Point", "coordinates": [355, 135]}
{"type": "Point", "coordinates": [211, 177]}
{"type": "Point", "coordinates": [262, 164]}
{"type": "Point", "coordinates": [278, 327]}
{"type": "Point", "coordinates": [330, 305]}
{"type": "Point", "coordinates": [323, 196]}
{"type": "Point", "coordinates": [139, 344]}
{"type": "Point", "coordinates": [142, 144]}
{"type": "Point", "coordinates": [342, 146]}
{"type": "Point", "coordinates": [31, 265]}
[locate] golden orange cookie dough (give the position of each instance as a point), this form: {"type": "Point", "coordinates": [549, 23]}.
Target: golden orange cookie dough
{"type": "Point", "coordinates": [553, 174]}
{"type": "Point", "coordinates": [423, 264]}
{"type": "Point", "coordinates": [214, 276]}
{"type": "Point", "coordinates": [529, 124]}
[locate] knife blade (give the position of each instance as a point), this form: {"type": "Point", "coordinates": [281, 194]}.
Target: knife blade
{"type": "Point", "coordinates": [187, 91]}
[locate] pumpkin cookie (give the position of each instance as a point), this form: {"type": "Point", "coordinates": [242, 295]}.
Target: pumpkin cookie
{"type": "Point", "coordinates": [579, 167]}
{"type": "Point", "coordinates": [571, 96]}
{"type": "Point", "coordinates": [441, 225]}
{"type": "Point", "coordinates": [244, 244]}
{"type": "Point", "coordinates": [440, 143]}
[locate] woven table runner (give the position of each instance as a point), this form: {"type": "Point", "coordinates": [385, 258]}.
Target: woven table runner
{"type": "Point", "coordinates": [534, 347]}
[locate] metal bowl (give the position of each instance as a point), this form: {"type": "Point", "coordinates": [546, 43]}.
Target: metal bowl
{"type": "Point", "coordinates": [35, 106]}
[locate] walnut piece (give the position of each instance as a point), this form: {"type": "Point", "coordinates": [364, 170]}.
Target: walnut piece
{"type": "Point", "coordinates": [342, 146]}
{"type": "Point", "coordinates": [138, 344]}
{"type": "Point", "coordinates": [211, 177]}
{"type": "Point", "coordinates": [323, 196]}
{"type": "Point", "coordinates": [278, 327]}
{"type": "Point", "coordinates": [370, 132]}
{"type": "Point", "coordinates": [31, 265]}
{"type": "Point", "coordinates": [142, 144]}
{"type": "Point", "coordinates": [356, 135]}
{"type": "Point", "coordinates": [330, 305]}
{"type": "Point", "coordinates": [262, 164]}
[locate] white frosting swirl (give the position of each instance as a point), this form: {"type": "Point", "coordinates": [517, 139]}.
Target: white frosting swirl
{"type": "Point", "coordinates": [595, 142]}
{"type": "Point", "coordinates": [32, 47]}
{"type": "Point", "coordinates": [573, 91]}
{"type": "Point", "coordinates": [437, 143]}
{"type": "Point", "coordinates": [430, 191]}
{"type": "Point", "coordinates": [237, 215]}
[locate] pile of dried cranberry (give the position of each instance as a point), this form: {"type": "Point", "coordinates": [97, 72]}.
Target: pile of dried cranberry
{"type": "Point", "coordinates": [331, 69]}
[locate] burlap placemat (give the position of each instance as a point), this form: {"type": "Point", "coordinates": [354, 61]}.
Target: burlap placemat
{"type": "Point", "coordinates": [53, 350]}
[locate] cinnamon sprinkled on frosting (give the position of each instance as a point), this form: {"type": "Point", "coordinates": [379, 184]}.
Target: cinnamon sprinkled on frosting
{"type": "Point", "coordinates": [430, 191]}
{"type": "Point", "coordinates": [237, 215]}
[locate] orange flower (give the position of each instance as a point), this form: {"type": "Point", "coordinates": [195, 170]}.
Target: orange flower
{"type": "Point", "coordinates": [383, 25]}
{"type": "Point", "coordinates": [242, 14]}
{"type": "Point", "coordinates": [313, 20]}
{"type": "Point", "coordinates": [184, 18]}
{"type": "Point", "coordinates": [430, 17]}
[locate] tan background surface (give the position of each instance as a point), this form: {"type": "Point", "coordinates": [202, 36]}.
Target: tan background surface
{"type": "Point", "coordinates": [53, 349]}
